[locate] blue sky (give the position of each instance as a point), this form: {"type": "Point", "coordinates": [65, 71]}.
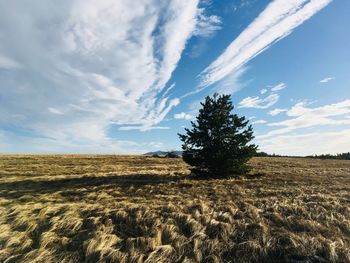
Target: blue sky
{"type": "Point", "coordinates": [125, 76]}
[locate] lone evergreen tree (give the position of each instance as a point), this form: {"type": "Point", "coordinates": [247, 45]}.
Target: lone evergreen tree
{"type": "Point", "coordinates": [217, 144]}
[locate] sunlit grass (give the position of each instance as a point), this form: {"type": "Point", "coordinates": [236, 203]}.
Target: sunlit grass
{"type": "Point", "coordinates": [142, 209]}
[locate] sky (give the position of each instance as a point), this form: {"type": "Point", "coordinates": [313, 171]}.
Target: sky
{"type": "Point", "coordinates": [84, 76]}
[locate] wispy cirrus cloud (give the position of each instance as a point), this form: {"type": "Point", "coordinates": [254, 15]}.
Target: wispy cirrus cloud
{"type": "Point", "coordinates": [24, 144]}
{"type": "Point", "coordinates": [183, 115]}
{"type": "Point", "coordinates": [303, 134]}
{"type": "Point", "coordinates": [277, 21]}
{"type": "Point", "coordinates": [263, 91]}
{"type": "Point", "coordinates": [143, 128]}
{"type": "Point", "coordinates": [258, 103]}
{"type": "Point", "coordinates": [166, 92]}
{"type": "Point", "coordinates": [77, 61]}
{"type": "Point", "coordinates": [325, 80]}
{"type": "Point", "coordinates": [207, 25]}
{"type": "Point", "coordinates": [55, 111]}
{"type": "Point", "coordinates": [277, 111]}
{"type": "Point", "coordinates": [259, 122]}
{"type": "Point", "coordinates": [278, 87]}
{"type": "Point", "coordinates": [302, 117]}
{"type": "Point", "coordinates": [308, 143]}
{"type": "Point", "coordinates": [263, 103]}
{"type": "Point", "coordinates": [8, 63]}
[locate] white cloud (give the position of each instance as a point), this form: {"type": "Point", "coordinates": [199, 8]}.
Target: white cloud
{"type": "Point", "coordinates": [303, 133]}
{"type": "Point", "coordinates": [306, 117]}
{"type": "Point", "coordinates": [278, 87]}
{"type": "Point", "coordinates": [99, 62]}
{"type": "Point", "coordinates": [308, 143]}
{"type": "Point", "coordinates": [259, 122]}
{"type": "Point", "coordinates": [329, 110]}
{"type": "Point", "coordinates": [277, 111]}
{"type": "Point", "coordinates": [55, 111]}
{"type": "Point", "coordinates": [49, 145]}
{"type": "Point", "coordinates": [8, 63]}
{"type": "Point", "coordinates": [263, 91]}
{"type": "Point", "coordinates": [258, 103]}
{"type": "Point", "coordinates": [183, 115]}
{"type": "Point", "coordinates": [325, 80]}
{"type": "Point", "coordinates": [228, 85]}
{"type": "Point", "coordinates": [169, 89]}
{"type": "Point", "coordinates": [277, 21]}
{"type": "Point", "coordinates": [143, 128]}
{"type": "Point", "coordinates": [207, 25]}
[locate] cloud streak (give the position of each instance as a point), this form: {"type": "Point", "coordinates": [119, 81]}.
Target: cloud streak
{"type": "Point", "coordinates": [278, 87]}
{"type": "Point", "coordinates": [303, 132]}
{"type": "Point", "coordinates": [277, 21]}
{"type": "Point", "coordinates": [308, 143]}
{"type": "Point", "coordinates": [183, 116]}
{"type": "Point", "coordinates": [325, 80]}
{"type": "Point", "coordinates": [303, 117]}
{"type": "Point", "coordinates": [88, 64]}
{"type": "Point", "coordinates": [207, 25]}
{"type": "Point", "coordinates": [259, 122]}
{"type": "Point", "coordinates": [8, 63]}
{"type": "Point", "coordinates": [277, 111]}
{"type": "Point", "coordinates": [259, 103]}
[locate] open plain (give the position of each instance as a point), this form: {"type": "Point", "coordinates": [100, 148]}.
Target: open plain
{"type": "Point", "coordinates": [105, 208]}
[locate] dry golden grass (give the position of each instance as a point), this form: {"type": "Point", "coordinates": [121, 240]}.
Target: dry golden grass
{"type": "Point", "coordinates": [68, 208]}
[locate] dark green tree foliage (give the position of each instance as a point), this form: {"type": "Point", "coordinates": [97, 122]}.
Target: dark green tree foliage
{"type": "Point", "coordinates": [218, 143]}
{"type": "Point", "coordinates": [339, 156]}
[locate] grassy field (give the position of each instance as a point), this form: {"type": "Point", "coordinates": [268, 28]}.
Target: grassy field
{"type": "Point", "coordinates": [69, 208]}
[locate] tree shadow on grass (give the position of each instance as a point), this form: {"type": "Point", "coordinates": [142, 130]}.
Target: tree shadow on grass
{"type": "Point", "coordinates": [257, 175]}
{"type": "Point", "coordinates": [204, 175]}
{"type": "Point", "coordinates": [20, 188]}
{"type": "Point", "coordinates": [17, 189]}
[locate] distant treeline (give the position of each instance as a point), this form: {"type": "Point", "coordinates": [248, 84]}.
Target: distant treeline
{"type": "Point", "coordinates": [176, 154]}
{"type": "Point", "coordinates": [264, 154]}
{"type": "Point", "coordinates": [161, 154]}
{"type": "Point", "coordinates": [339, 156]}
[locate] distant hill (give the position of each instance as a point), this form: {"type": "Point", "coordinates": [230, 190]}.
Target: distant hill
{"type": "Point", "coordinates": [163, 153]}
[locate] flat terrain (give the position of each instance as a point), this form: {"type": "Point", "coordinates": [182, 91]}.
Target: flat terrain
{"type": "Point", "coordinates": [70, 208]}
